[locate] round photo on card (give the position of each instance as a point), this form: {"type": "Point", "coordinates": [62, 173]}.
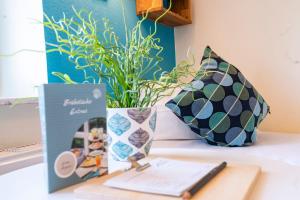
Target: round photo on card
{"type": "Point", "coordinates": [89, 146]}
{"type": "Point", "coordinates": [65, 164]}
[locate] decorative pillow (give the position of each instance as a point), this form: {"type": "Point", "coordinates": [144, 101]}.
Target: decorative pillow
{"type": "Point", "coordinates": [220, 104]}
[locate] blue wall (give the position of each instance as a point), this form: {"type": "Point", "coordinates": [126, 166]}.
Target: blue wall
{"type": "Point", "coordinates": [102, 8]}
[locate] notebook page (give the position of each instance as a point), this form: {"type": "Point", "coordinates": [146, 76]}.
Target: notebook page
{"type": "Point", "coordinates": [165, 176]}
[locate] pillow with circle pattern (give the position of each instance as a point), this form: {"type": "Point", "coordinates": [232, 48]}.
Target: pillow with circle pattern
{"type": "Point", "coordinates": [220, 104]}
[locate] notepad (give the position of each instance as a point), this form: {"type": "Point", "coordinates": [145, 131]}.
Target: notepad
{"type": "Point", "coordinates": [165, 176]}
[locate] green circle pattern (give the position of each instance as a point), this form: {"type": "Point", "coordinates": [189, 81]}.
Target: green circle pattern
{"type": "Point", "coordinates": [190, 120]}
{"type": "Point", "coordinates": [214, 92]}
{"type": "Point", "coordinates": [226, 67]}
{"type": "Point", "coordinates": [184, 98]}
{"type": "Point", "coordinates": [219, 122]}
{"type": "Point", "coordinates": [247, 120]}
{"type": "Point", "coordinates": [240, 91]}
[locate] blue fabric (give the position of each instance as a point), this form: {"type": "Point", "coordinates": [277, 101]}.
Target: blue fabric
{"type": "Point", "coordinates": [220, 104]}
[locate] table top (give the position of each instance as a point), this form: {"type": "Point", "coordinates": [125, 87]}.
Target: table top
{"type": "Point", "coordinates": [277, 154]}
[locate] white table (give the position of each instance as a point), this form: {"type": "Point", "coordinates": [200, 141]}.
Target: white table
{"type": "Point", "coordinates": [277, 154]}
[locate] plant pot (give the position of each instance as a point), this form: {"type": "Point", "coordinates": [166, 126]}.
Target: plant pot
{"type": "Point", "coordinates": [130, 132]}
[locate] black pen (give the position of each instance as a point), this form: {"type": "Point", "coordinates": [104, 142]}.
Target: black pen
{"type": "Point", "coordinates": [188, 194]}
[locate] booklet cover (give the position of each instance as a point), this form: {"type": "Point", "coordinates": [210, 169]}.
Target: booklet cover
{"type": "Point", "coordinates": [73, 121]}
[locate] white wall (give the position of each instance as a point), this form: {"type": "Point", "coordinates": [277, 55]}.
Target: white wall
{"type": "Point", "coordinates": [19, 30]}
{"type": "Point", "coordinates": [261, 38]}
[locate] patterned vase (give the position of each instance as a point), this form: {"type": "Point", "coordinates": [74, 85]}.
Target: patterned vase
{"type": "Point", "coordinates": [130, 131]}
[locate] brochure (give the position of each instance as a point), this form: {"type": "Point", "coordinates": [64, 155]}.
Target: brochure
{"type": "Point", "coordinates": [73, 121]}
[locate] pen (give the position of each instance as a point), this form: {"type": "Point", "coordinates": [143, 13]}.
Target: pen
{"type": "Point", "coordinates": [187, 195]}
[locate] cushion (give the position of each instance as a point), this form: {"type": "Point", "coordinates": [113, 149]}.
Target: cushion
{"type": "Point", "coordinates": [220, 104]}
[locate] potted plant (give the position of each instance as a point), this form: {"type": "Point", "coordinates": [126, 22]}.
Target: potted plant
{"type": "Point", "coordinates": [103, 58]}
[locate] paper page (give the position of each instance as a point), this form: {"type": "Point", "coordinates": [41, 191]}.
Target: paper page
{"type": "Point", "coordinates": [165, 176]}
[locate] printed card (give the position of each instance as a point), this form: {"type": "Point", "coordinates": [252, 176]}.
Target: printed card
{"type": "Point", "coordinates": [73, 120]}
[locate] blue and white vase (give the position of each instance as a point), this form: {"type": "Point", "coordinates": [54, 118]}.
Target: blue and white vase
{"type": "Point", "coordinates": [130, 132]}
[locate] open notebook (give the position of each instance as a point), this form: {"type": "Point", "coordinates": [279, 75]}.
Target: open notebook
{"type": "Point", "coordinates": [165, 176]}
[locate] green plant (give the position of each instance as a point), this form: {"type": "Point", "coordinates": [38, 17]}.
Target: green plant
{"type": "Point", "coordinates": [103, 58]}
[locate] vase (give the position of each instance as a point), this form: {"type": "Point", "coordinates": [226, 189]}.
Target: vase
{"type": "Point", "coordinates": [130, 132]}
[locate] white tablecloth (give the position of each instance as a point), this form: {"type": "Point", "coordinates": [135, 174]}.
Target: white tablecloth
{"type": "Point", "coordinates": [277, 154]}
